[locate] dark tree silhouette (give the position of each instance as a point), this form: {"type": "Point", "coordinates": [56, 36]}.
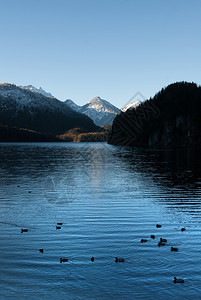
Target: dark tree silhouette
{"type": "Point", "coordinates": [172, 118]}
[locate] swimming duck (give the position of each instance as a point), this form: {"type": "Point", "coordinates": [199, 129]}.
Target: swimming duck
{"type": "Point", "coordinates": [183, 229]}
{"type": "Point", "coordinates": [152, 236]}
{"type": "Point", "coordinates": [59, 223]}
{"type": "Point", "coordinates": [24, 230]}
{"type": "Point", "coordinates": [41, 250]}
{"type": "Point", "coordinates": [119, 259]}
{"type": "Point", "coordinates": [158, 226]}
{"type": "Point", "coordinates": [161, 244]}
{"type": "Point", "coordinates": [63, 259]}
{"type": "Point", "coordinates": [174, 249]}
{"type": "Point", "coordinates": [92, 259]}
{"type": "Point", "coordinates": [143, 240]}
{"type": "Point", "coordinates": [163, 240]}
{"type": "Point", "coordinates": [58, 227]}
{"type": "Point", "coordinates": [178, 280]}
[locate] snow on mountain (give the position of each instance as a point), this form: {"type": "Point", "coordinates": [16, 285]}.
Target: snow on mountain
{"type": "Point", "coordinates": [130, 105]}
{"type": "Point", "coordinates": [101, 105]}
{"type": "Point", "coordinates": [26, 97]}
{"type": "Point", "coordinates": [100, 111]}
{"type": "Point", "coordinates": [25, 108]}
{"type": "Point", "coordinates": [37, 90]}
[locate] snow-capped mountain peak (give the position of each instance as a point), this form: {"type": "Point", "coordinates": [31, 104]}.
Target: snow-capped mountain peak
{"type": "Point", "coordinates": [131, 105]}
{"type": "Point", "coordinates": [100, 111]}
{"type": "Point", "coordinates": [37, 90]}
{"type": "Point", "coordinates": [102, 105]}
{"type": "Point", "coordinates": [12, 91]}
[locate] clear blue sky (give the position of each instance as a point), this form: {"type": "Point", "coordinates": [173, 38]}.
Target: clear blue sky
{"type": "Point", "coordinates": [79, 49]}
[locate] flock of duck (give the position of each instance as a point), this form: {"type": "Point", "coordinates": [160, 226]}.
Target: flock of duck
{"type": "Point", "coordinates": [162, 242]}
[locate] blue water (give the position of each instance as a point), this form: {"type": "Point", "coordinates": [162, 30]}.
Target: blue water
{"type": "Point", "coordinates": [108, 199]}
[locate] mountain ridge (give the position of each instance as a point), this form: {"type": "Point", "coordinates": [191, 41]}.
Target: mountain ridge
{"type": "Point", "coordinates": [37, 90]}
{"type": "Point", "coordinates": [24, 108]}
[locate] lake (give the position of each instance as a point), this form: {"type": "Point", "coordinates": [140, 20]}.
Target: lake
{"type": "Point", "coordinates": [108, 198]}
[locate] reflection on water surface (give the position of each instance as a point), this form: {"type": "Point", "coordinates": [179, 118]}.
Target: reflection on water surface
{"type": "Point", "coordinates": [108, 198]}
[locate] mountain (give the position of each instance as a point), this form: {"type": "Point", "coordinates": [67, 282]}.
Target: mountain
{"type": "Point", "coordinates": [100, 111]}
{"type": "Point", "coordinates": [130, 105]}
{"type": "Point", "coordinates": [37, 90]}
{"type": "Point", "coordinates": [171, 119]}
{"type": "Point", "coordinates": [24, 108]}
{"type": "Point", "coordinates": [72, 105]}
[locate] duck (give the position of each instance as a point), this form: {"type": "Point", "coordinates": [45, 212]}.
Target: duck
{"type": "Point", "coordinates": [152, 236]}
{"type": "Point", "coordinates": [119, 259]}
{"type": "Point", "coordinates": [183, 229]}
{"type": "Point", "coordinates": [24, 230]}
{"type": "Point", "coordinates": [174, 249]}
{"type": "Point", "coordinates": [92, 259]}
{"type": "Point", "coordinates": [41, 250]}
{"type": "Point", "coordinates": [163, 240]}
{"type": "Point", "coordinates": [63, 259]}
{"type": "Point", "coordinates": [59, 223]}
{"type": "Point", "coordinates": [158, 226]}
{"type": "Point", "coordinates": [58, 227]}
{"type": "Point", "coordinates": [143, 240]}
{"type": "Point", "coordinates": [178, 280]}
{"type": "Point", "coordinates": [161, 244]}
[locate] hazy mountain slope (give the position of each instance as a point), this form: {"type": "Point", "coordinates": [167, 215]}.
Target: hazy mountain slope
{"type": "Point", "coordinates": [72, 105]}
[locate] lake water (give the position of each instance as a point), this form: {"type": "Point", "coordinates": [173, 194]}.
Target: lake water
{"type": "Point", "coordinates": [108, 198]}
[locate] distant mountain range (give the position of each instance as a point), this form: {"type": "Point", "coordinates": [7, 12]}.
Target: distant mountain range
{"type": "Point", "coordinates": [32, 113]}
{"type": "Point", "coordinates": [24, 107]}
{"type": "Point", "coordinates": [99, 110]}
